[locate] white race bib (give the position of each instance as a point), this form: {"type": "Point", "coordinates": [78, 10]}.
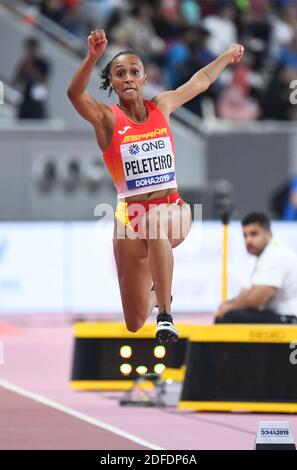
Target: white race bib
{"type": "Point", "coordinates": [148, 162]}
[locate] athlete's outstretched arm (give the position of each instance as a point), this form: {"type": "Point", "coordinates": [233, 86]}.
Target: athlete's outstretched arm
{"type": "Point", "coordinates": [169, 101]}
{"type": "Point", "coordinates": [83, 102]}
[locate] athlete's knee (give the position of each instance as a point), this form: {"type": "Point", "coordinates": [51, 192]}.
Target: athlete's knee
{"type": "Point", "coordinates": [132, 328]}
{"type": "Point", "coordinates": [134, 324]}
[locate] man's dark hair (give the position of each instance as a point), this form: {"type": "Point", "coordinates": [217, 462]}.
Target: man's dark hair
{"type": "Point", "coordinates": [257, 218]}
{"type": "Point", "coordinates": [106, 71]}
{"type": "Point", "coordinates": [31, 43]}
{"type": "Point", "coordinates": [42, 67]}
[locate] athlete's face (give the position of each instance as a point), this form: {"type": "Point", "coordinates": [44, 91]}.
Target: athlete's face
{"type": "Point", "coordinates": [127, 76]}
{"type": "Point", "coordinates": [256, 238]}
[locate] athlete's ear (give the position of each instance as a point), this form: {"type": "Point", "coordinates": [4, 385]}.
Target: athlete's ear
{"type": "Point", "coordinates": [112, 89]}
{"type": "Point", "coordinates": [145, 78]}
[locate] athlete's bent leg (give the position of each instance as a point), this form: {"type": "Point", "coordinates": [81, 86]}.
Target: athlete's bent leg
{"type": "Point", "coordinates": [165, 227]}
{"type": "Point", "coordinates": [131, 256]}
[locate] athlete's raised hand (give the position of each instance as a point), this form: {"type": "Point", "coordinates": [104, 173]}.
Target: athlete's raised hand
{"type": "Point", "coordinates": [97, 43]}
{"type": "Point", "coordinates": [235, 52]}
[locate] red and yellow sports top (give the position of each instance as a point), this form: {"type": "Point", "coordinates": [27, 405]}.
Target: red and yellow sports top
{"type": "Point", "coordinates": [140, 157]}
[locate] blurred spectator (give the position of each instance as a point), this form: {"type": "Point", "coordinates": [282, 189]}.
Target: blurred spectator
{"type": "Point", "coordinates": [255, 23]}
{"type": "Point", "coordinates": [170, 9]}
{"type": "Point", "coordinates": [163, 32]}
{"type": "Point", "coordinates": [282, 29]}
{"type": "Point", "coordinates": [54, 9]}
{"type": "Point", "coordinates": [177, 56]}
{"type": "Point", "coordinates": [184, 57]}
{"type": "Point", "coordinates": [31, 76]}
{"type": "Point", "coordinates": [98, 13]}
{"type": "Point", "coordinates": [235, 101]}
{"type": "Point", "coordinates": [71, 20]}
{"type": "Point", "coordinates": [276, 102]}
{"type": "Point", "coordinates": [66, 13]}
{"type": "Point", "coordinates": [235, 105]}
{"type": "Point", "coordinates": [191, 11]}
{"type": "Point", "coordinates": [168, 25]}
{"type": "Point", "coordinates": [288, 55]}
{"type": "Point", "coordinates": [138, 31]}
{"type": "Point", "coordinates": [221, 27]}
{"type": "Point", "coordinates": [288, 10]}
{"type": "Point", "coordinates": [290, 211]}
{"type": "Point", "coordinates": [208, 7]}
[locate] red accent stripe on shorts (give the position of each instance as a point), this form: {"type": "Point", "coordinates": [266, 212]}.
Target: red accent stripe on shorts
{"type": "Point", "coordinates": [173, 198]}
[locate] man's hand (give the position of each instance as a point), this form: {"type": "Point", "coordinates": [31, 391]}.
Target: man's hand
{"type": "Point", "coordinates": [222, 309]}
{"type": "Point", "coordinates": [235, 53]}
{"type": "Point", "coordinates": [255, 297]}
{"type": "Point", "coordinates": [97, 43]}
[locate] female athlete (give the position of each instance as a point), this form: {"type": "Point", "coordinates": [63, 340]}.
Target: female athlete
{"type": "Point", "coordinates": [137, 144]}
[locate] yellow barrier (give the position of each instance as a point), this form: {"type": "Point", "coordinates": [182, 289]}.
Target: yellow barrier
{"type": "Point", "coordinates": [241, 368]}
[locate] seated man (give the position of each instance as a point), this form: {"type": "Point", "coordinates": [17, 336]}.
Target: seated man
{"type": "Point", "coordinates": [271, 296]}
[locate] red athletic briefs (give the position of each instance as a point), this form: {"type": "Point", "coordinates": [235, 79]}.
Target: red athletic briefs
{"type": "Point", "coordinates": [130, 213]}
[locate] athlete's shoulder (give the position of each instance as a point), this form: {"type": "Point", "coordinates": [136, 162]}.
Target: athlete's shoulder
{"type": "Point", "coordinates": [152, 104]}
{"type": "Point", "coordinates": [106, 107]}
{"type": "Point", "coordinates": [160, 105]}
{"type": "Point", "coordinates": [110, 113]}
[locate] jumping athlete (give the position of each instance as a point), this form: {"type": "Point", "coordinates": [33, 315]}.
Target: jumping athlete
{"type": "Point", "coordinates": [137, 144]}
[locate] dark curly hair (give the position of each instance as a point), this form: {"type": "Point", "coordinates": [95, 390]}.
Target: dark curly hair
{"type": "Point", "coordinates": [105, 74]}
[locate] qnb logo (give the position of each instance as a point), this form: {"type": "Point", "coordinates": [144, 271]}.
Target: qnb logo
{"type": "Point", "coordinates": [156, 145]}
{"type": "Point", "coordinates": [134, 149]}
{"type": "Point", "coordinates": [293, 355]}
{"type": "Point", "coordinates": [1, 93]}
